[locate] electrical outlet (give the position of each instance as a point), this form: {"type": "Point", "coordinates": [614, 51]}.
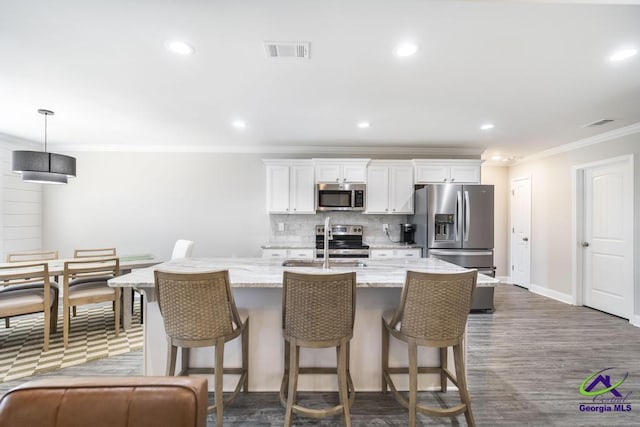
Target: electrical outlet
{"type": "Point", "coordinates": [385, 228]}
{"type": "Point", "coordinates": [281, 226]}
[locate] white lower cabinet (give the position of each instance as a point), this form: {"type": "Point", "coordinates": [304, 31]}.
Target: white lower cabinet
{"type": "Point", "coordinates": [395, 253]}
{"type": "Point", "coordinates": [289, 253]}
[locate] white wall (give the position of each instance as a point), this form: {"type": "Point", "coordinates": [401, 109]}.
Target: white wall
{"type": "Point", "coordinates": [20, 204]}
{"type": "Point", "coordinates": [144, 202]}
{"type": "Point", "coordinates": [499, 177]}
{"type": "Point", "coordinates": [551, 183]}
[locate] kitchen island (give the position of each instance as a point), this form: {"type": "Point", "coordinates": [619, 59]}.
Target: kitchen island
{"type": "Point", "coordinates": [257, 284]}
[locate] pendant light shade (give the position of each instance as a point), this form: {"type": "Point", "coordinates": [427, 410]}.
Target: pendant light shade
{"type": "Point", "coordinates": [41, 166]}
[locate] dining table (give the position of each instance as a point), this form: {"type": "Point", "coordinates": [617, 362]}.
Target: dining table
{"type": "Point", "coordinates": [127, 264]}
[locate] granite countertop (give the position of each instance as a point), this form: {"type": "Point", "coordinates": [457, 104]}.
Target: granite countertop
{"type": "Point", "coordinates": [267, 273]}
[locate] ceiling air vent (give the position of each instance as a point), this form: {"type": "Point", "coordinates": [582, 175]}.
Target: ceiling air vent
{"type": "Point", "coordinates": [599, 123]}
{"type": "Point", "coordinates": [286, 50]}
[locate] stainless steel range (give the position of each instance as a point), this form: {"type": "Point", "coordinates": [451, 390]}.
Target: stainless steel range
{"type": "Point", "coordinates": [346, 242]}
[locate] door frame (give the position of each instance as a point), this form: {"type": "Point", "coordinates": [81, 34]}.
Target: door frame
{"type": "Point", "coordinates": [511, 216]}
{"type": "Point", "coordinates": [577, 233]}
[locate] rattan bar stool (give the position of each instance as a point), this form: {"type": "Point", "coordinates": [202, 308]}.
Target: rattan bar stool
{"type": "Point", "coordinates": [199, 311]}
{"type": "Point", "coordinates": [433, 312]}
{"type": "Point", "coordinates": [318, 311]}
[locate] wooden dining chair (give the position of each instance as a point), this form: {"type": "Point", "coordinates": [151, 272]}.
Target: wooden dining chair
{"type": "Point", "coordinates": [31, 256]}
{"type": "Point", "coordinates": [35, 256]}
{"type": "Point", "coordinates": [26, 289]}
{"type": "Point", "coordinates": [90, 277]}
{"type": "Point", "coordinates": [94, 253]}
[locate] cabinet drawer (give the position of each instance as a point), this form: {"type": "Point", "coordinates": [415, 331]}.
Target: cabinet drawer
{"type": "Point", "coordinates": [409, 253]}
{"type": "Point", "coordinates": [381, 253]}
{"type": "Point", "coordinates": [274, 253]}
{"type": "Point", "coordinates": [301, 253]}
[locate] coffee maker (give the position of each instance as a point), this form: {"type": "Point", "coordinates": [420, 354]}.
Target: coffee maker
{"type": "Point", "coordinates": [407, 233]}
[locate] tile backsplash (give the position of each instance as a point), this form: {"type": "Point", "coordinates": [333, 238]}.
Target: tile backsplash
{"type": "Point", "coordinates": [301, 228]}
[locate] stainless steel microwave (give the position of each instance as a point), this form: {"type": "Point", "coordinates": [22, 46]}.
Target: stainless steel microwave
{"type": "Point", "coordinates": [340, 197]}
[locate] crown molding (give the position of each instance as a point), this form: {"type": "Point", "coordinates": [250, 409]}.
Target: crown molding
{"type": "Point", "coordinates": [581, 143]}
{"type": "Point", "coordinates": [277, 149]}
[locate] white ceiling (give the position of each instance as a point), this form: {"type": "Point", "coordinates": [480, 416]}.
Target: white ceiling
{"type": "Point", "coordinates": [538, 70]}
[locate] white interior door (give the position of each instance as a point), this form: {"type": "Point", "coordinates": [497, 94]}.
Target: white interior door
{"type": "Point", "coordinates": [606, 245]}
{"type": "Point", "coordinates": [521, 231]}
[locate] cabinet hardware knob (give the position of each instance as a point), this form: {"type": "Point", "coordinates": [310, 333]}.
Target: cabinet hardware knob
{"type": "Point", "coordinates": [444, 180]}
{"type": "Point", "coordinates": [394, 209]}
{"type": "Point", "coordinates": [452, 179]}
{"type": "Point", "coordinates": [525, 239]}
{"type": "Point", "coordinates": [337, 179]}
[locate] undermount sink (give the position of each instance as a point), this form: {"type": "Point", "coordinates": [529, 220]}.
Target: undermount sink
{"type": "Point", "coordinates": [318, 264]}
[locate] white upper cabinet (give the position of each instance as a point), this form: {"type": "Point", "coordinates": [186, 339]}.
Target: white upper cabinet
{"type": "Point", "coordinates": [290, 186]}
{"type": "Point", "coordinates": [390, 187]}
{"type": "Point", "coordinates": [447, 171]}
{"type": "Point", "coordinates": [341, 171]}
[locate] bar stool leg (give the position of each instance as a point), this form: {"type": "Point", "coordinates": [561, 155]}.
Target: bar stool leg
{"type": "Point", "coordinates": [385, 356]}
{"type": "Point", "coordinates": [342, 378]}
{"type": "Point", "coordinates": [218, 374]}
{"type": "Point", "coordinates": [413, 381]}
{"type": "Point", "coordinates": [172, 352]}
{"type": "Point", "coordinates": [462, 384]}
{"type": "Point", "coordinates": [443, 365]}
{"type": "Point", "coordinates": [245, 355]}
{"type": "Point", "coordinates": [293, 381]}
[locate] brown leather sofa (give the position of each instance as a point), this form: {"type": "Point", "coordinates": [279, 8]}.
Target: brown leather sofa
{"type": "Point", "coordinates": [108, 402]}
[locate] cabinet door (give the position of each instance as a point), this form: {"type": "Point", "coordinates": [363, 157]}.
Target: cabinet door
{"type": "Point", "coordinates": [354, 173]}
{"type": "Point", "coordinates": [274, 253]}
{"type": "Point", "coordinates": [328, 173]}
{"type": "Point", "coordinates": [278, 189]}
{"type": "Point", "coordinates": [378, 189]}
{"type": "Point", "coordinates": [381, 253]}
{"type": "Point", "coordinates": [465, 174]}
{"type": "Point", "coordinates": [301, 253]}
{"type": "Point", "coordinates": [401, 190]}
{"type": "Point", "coordinates": [432, 174]}
{"type": "Point", "coordinates": [408, 253]}
{"type": "Point", "coordinates": [302, 190]}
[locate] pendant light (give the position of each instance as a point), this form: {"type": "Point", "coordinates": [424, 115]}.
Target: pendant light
{"type": "Point", "coordinates": [43, 167]}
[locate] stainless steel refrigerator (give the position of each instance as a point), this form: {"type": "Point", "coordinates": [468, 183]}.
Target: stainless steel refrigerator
{"type": "Point", "coordinates": [455, 223]}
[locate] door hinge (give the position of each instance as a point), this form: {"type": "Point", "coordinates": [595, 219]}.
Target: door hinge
{"type": "Point", "coordinates": [513, 192]}
{"type": "Point", "coordinates": [512, 268]}
{"type": "Point", "coordinates": [513, 229]}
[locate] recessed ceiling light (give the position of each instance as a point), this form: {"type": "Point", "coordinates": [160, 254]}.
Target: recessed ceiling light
{"type": "Point", "coordinates": [406, 49]}
{"type": "Point", "coordinates": [496, 157]}
{"type": "Point", "coordinates": [364, 125]}
{"type": "Point", "coordinates": [622, 54]}
{"type": "Point", "coordinates": [487, 126]}
{"type": "Point", "coordinates": [239, 124]}
{"type": "Point", "coordinates": [180, 48]}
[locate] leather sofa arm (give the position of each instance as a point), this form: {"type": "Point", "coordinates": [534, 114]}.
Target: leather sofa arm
{"type": "Point", "coordinates": [107, 401]}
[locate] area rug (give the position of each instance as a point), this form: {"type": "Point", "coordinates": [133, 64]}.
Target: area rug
{"type": "Point", "coordinates": [92, 336]}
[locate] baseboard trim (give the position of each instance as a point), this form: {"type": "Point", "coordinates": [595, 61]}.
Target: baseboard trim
{"type": "Point", "coordinates": [635, 320]}
{"type": "Point", "coordinates": [504, 279]}
{"type": "Point", "coordinates": [550, 293]}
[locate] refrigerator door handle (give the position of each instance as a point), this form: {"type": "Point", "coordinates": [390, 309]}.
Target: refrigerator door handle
{"type": "Point", "coordinates": [467, 216]}
{"type": "Point", "coordinates": [458, 206]}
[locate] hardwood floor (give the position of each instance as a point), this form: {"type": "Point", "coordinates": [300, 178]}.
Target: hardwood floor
{"type": "Point", "coordinates": [526, 362]}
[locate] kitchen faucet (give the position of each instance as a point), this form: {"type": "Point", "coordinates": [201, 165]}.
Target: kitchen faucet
{"type": "Point", "coordinates": [327, 236]}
